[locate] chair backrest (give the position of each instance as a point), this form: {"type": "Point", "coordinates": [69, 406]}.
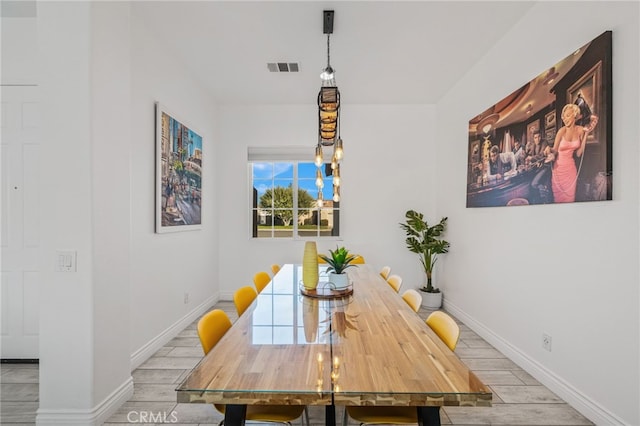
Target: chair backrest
{"type": "Point", "coordinates": [445, 327]}
{"type": "Point", "coordinates": [275, 268]}
{"type": "Point", "coordinates": [385, 271]}
{"type": "Point", "coordinates": [261, 279]}
{"type": "Point", "coordinates": [358, 260]}
{"type": "Point", "coordinates": [211, 327]}
{"type": "Point", "coordinates": [395, 281]}
{"type": "Point", "coordinates": [243, 298]}
{"type": "Point", "coordinates": [413, 299]}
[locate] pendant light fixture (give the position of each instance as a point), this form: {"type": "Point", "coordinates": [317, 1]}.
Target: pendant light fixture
{"type": "Point", "coordinates": [329, 116]}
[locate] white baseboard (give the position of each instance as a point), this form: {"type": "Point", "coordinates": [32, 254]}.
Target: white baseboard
{"type": "Point", "coordinates": [145, 352]}
{"type": "Point", "coordinates": [93, 417]}
{"type": "Point", "coordinates": [587, 407]}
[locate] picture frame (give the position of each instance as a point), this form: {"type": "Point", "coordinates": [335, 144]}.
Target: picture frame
{"type": "Point", "coordinates": [550, 120]}
{"type": "Point", "coordinates": [474, 152]}
{"type": "Point", "coordinates": [178, 182]}
{"type": "Point", "coordinates": [587, 87]}
{"type": "Point", "coordinates": [550, 135]}
{"type": "Point", "coordinates": [532, 128]}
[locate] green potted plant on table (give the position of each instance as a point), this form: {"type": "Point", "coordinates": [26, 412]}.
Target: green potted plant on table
{"type": "Point", "coordinates": [426, 241]}
{"type": "Point", "coordinates": [339, 260]}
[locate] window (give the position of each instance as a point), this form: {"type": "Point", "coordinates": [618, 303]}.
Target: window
{"type": "Point", "coordinates": [283, 199]}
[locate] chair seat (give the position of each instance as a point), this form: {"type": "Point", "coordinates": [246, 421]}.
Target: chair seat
{"type": "Point", "coordinates": [383, 415]}
{"type": "Point", "coordinates": [270, 413]}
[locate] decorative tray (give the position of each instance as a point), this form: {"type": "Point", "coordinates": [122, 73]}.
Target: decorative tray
{"type": "Point", "coordinates": [326, 290]}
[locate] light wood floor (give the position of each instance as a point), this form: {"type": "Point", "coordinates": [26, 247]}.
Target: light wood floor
{"type": "Point", "coordinates": [518, 399]}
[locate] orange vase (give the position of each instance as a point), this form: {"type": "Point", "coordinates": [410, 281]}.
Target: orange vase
{"type": "Point", "coordinates": [310, 266]}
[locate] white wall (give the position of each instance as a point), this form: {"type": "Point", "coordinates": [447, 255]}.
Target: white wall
{"type": "Point", "coordinates": [67, 311]}
{"type": "Point", "coordinates": [111, 195]}
{"type": "Point", "coordinates": [380, 181]}
{"type": "Point", "coordinates": [165, 266]}
{"type": "Point", "coordinates": [101, 73]}
{"type": "Point", "coordinates": [568, 270]}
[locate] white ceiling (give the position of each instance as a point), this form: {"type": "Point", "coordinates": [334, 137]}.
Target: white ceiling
{"type": "Point", "coordinates": [383, 52]}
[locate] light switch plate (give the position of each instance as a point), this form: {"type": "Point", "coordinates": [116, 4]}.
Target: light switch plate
{"type": "Point", "coordinates": [66, 261]}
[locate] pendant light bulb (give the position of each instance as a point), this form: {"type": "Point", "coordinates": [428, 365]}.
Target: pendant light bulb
{"type": "Point", "coordinates": [319, 158]}
{"type": "Point", "coordinates": [336, 194]}
{"type": "Point", "coordinates": [334, 162]}
{"type": "Point", "coordinates": [319, 181]}
{"type": "Point", "coordinates": [337, 149]}
{"type": "Point", "coordinates": [336, 176]}
{"type": "Point", "coordinates": [320, 200]}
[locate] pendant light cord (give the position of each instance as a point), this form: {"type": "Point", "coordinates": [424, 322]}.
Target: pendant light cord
{"type": "Point", "coordinates": [328, 50]}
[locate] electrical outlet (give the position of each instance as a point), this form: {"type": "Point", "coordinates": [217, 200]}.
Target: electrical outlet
{"type": "Point", "coordinates": [546, 342]}
{"type": "Point", "coordinates": [186, 298]}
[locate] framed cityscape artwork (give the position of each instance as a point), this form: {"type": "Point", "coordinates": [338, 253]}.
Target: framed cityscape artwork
{"type": "Point", "coordinates": [550, 141]}
{"type": "Point", "coordinates": [178, 174]}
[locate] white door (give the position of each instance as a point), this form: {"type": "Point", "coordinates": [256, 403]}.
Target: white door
{"type": "Point", "coordinates": [20, 232]}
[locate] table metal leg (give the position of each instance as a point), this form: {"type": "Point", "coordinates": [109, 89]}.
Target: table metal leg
{"type": "Point", "coordinates": [429, 416]}
{"type": "Point", "coordinates": [234, 415]}
{"type": "Point", "coordinates": [330, 415]}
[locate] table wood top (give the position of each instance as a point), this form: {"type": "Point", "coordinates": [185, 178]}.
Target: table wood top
{"type": "Point", "coordinates": [270, 354]}
{"type": "Point", "coordinates": [391, 357]}
{"type": "Point", "coordinates": [386, 354]}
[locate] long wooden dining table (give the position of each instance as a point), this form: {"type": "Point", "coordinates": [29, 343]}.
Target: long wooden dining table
{"type": "Point", "coordinates": [368, 348]}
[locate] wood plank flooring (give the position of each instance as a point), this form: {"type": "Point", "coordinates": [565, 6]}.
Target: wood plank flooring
{"type": "Point", "coordinates": [518, 399]}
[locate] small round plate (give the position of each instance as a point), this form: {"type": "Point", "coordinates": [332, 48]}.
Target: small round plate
{"type": "Point", "coordinates": [325, 290]}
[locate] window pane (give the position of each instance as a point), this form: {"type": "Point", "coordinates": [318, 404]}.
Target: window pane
{"type": "Point", "coordinates": [274, 214]}
{"type": "Point", "coordinates": [283, 171]}
{"type": "Point", "coordinates": [306, 169]}
{"type": "Point", "coordinates": [282, 194]}
{"type": "Point", "coordinates": [262, 171]}
{"type": "Point", "coordinates": [308, 223]}
{"type": "Point", "coordinates": [327, 217]}
{"type": "Point", "coordinates": [262, 187]}
{"type": "Point", "coordinates": [263, 220]}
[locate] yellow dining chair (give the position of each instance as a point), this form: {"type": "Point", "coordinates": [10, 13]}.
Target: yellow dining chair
{"type": "Point", "coordinates": [413, 299]}
{"type": "Point", "coordinates": [275, 268]}
{"type": "Point", "coordinates": [321, 260]}
{"type": "Point", "coordinates": [358, 260]}
{"type": "Point", "coordinates": [211, 327]}
{"type": "Point", "coordinates": [445, 327]}
{"type": "Point", "coordinates": [261, 279]}
{"type": "Point", "coordinates": [395, 281]}
{"type": "Point", "coordinates": [449, 332]}
{"type": "Point", "coordinates": [385, 271]}
{"type": "Point", "coordinates": [243, 298]}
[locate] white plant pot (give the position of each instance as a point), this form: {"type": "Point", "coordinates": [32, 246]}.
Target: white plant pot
{"type": "Point", "coordinates": [431, 300]}
{"type": "Point", "coordinates": [340, 281]}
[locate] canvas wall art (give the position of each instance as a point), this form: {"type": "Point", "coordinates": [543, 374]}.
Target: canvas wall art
{"type": "Point", "coordinates": [550, 141]}
{"type": "Point", "coordinates": [178, 174]}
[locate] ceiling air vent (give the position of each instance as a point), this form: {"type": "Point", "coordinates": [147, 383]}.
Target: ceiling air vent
{"type": "Point", "coordinates": [283, 66]}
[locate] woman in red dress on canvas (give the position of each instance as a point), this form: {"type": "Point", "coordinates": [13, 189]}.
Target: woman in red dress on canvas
{"type": "Point", "coordinates": [570, 140]}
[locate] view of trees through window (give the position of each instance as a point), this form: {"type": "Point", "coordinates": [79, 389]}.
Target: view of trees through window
{"type": "Point", "coordinates": [284, 201]}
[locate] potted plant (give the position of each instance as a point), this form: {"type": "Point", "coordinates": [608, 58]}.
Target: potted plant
{"type": "Point", "coordinates": [426, 241]}
{"type": "Point", "coordinates": [339, 260]}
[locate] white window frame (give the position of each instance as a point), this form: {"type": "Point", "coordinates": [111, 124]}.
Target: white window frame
{"type": "Point", "coordinates": [290, 154]}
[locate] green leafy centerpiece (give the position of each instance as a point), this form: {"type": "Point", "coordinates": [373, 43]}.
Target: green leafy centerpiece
{"type": "Point", "coordinates": [339, 260]}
